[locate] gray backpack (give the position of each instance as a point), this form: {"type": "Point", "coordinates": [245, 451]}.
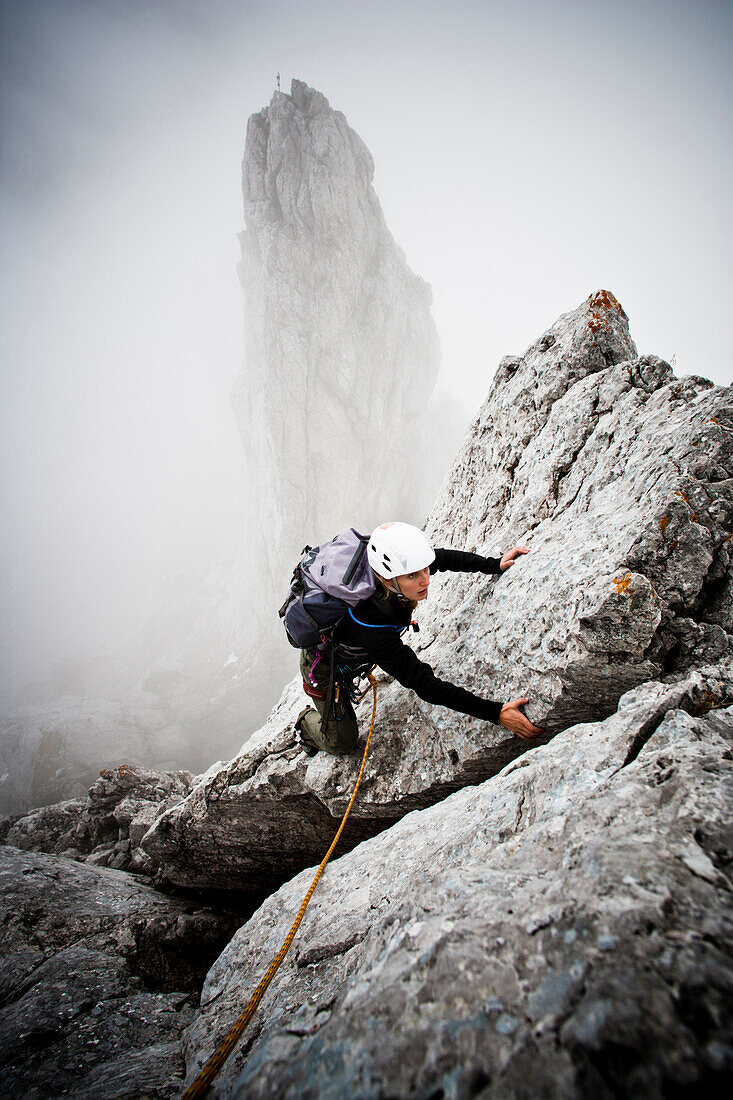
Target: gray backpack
{"type": "Point", "coordinates": [327, 580]}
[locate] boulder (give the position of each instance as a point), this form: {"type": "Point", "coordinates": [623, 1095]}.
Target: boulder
{"type": "Point", "coordinates": [52, 829]}
{"type": "Point", "coordinates": [562, 930]}
{"type": "Point", "coordinates": [100, 973]}
{"type": "Point", "coordinates": [618, 477]}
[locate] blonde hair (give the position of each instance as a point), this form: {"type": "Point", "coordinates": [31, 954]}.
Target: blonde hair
{"type": "Point", "coordinates": [382, 581]}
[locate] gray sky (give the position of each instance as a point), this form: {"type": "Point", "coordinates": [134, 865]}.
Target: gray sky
{"type": "Point", "coordinates": [526, 155]}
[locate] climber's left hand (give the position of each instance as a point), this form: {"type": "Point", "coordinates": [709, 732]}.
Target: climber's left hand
{"type": "Point", "coordinates": [512, 718]}
{"type": "Point", "coordinates": [511, 556]}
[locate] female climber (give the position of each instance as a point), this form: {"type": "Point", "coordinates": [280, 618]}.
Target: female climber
{"type": "Point", "coordinates": [403, 561]}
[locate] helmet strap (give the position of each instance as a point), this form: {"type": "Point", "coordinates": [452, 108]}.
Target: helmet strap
{"type": "Point", "coordinates": [396, 589]}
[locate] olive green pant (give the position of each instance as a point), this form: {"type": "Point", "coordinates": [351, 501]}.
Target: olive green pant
{"type": "Point", "coordinates": [341, 732]}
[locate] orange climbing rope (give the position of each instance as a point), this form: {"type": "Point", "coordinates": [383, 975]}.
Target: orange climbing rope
{"type": "Point", "coordinates": [200, 1085]}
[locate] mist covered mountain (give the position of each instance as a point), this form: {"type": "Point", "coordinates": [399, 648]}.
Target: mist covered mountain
{"type": "Point", "coordinates": [333, 406]}
{"type": "Point", "coordinates": [341, 351]}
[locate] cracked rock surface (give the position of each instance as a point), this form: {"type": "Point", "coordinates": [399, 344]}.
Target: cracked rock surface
{"type": "Point", "coordinates": [99, 976]}
{"type": "Point", "coordinates": [619, 479]}
{"type": "Point", "coordinates": [617, 475]}
{"type": "Point", "coordinates": [562, 930]}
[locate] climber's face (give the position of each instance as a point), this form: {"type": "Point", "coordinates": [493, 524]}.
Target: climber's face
{"type": "Point", "coordinates": [414, 586]}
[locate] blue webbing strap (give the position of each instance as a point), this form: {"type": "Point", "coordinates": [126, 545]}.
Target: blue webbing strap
{"type": "Point", "coordinates": [376, 626]}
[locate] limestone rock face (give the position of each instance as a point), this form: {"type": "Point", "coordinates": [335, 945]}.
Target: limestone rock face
{"type": "Point", "coordinates": [562, 930]}
{"type": "Point", "coordinates": [99, 976]}
{"type": "Point", "coordinates": [618, 477]}
{"type": "Point", "coordinates": [341, 352]}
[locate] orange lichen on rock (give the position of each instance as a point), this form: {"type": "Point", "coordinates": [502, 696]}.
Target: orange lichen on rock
{"type": "Point", "coordinates": [109, 773]}
{"type": "Point", "coordinates": [710, 701]}
{"type": "Point", "coordinates": [664, 522]}
{"type": "Point", "coordinates": [600, 303]}
{"type": "Point", "coordinates": [606, 300]}
{"type": "Point", "coordinates": [622, 584]}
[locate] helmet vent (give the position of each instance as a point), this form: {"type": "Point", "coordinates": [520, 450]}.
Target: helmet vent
{"type": "Point", "coordinates": [396, 548]}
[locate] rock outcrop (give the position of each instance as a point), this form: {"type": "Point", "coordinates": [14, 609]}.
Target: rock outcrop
{"type": "Point", "coordinates": [619, 479]}
{"type": "Point", "coordinates": [106, 827]}
{"type": "Point", "coordinates": [562, 930]}
{"type": "Point", "coordinates": [100, 974]}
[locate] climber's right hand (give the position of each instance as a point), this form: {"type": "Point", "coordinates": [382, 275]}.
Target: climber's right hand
{"type": "Point", "coordinates": [512, 719]}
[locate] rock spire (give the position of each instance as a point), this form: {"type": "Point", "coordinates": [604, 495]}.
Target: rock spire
{"type": "Point", "coordinates": [341, 352]}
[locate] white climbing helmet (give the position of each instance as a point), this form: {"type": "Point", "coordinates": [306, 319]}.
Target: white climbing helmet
{"type": "Point", "coordinates": [397, 548]}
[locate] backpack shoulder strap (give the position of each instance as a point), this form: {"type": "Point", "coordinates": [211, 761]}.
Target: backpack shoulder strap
{"type": "Point", "coordinates": [356, 560]}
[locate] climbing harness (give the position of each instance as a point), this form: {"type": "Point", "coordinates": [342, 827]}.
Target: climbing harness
{"type": "Point", "coordinates": [201, 1083]}
{"type": "Point", "coordinates": [319, 658]}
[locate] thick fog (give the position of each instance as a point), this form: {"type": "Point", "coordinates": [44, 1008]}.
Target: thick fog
{"type": "Point", "coordinates": [526, 154]}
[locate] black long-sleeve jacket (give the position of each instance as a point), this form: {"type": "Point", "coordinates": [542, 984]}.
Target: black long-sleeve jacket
{"type": "Point", "coordinates": [372, 630]}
